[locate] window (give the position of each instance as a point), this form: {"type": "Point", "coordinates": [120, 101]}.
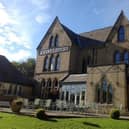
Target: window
{"type": "Point", "coordinates": [84, 66]}
{"type": "Point", "coordinates": [52, 63]}
{"type": "Point", "coordinates": [49, 83]}
{"type": "Point", "coordinates": [43, 83]}
{"type": "Point", "coordinates": [98, 93]}
{"type": "Point", "coordinates": [55, 83]}
{"type": "Point", "coordinates": [62, 95]}
{"type": "Point", "coordinates": [20, 90]}
{"type": "Point", "coordinates": [88, 60]}
{"type": "Point", "coordinates": [126, 58]}
{"type": "Point", "coordinates": [67, 96]}
{"type": "Point", "coordinates": [56, 42]}
{"type": "Point", "coordinates": [10, 89]}
{"type": "Point", "coordinates": [57, 64]}
{"type": "Point", "coordinates": [83, 95]}
{"type": "Point", "coordinates": [104, 93]}
{"type": "Point", "coordinates": [121, 34]}
{"type": "Point", "coordinates": [51, 42]}
{"type": "Point", "coordinates": [117, 57]}
{"type": "Point", "coordinates": [72, 98]}
{"type": "Point", "coordinates": [110, 94]}
{"type": "Point", "coordinates": [15, 89]}
{"type": "Point", "coordinates": [46, 64]}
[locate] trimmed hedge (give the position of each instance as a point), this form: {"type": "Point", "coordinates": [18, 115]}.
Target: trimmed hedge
{"type": "Point", "coordinates": [115, 114]}
{"type": "Point", "coordinates": [40, 114]}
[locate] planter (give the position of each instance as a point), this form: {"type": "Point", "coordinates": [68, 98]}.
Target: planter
{"type": "Point", "coordinates": [16, 105]}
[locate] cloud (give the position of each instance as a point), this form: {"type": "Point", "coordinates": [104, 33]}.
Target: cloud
{"type": "Point", "coordinates": [41, 19]}
{"type": "Point", "coordinates": [41, 8]}
{"type": "Point", "coordinates": [41, 4]}
{"type": "Point", "coordinates": [17, 56]}
{"type": "Point", "coordinates": [14, 42]}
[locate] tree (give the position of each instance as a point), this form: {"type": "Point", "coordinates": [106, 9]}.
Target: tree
{"type": "Point", "coordinates": [27, 67]}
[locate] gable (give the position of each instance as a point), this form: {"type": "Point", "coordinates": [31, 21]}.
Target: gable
{"type": "Point", "coordinates": [121, 21]}
{"type": "Point", "coordinates": [56, 28]}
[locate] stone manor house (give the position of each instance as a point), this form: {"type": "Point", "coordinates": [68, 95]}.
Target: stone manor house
{"type": "Point", "coordinates": [90, 68]}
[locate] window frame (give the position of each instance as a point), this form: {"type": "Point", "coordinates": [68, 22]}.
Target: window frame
{"type": "Point", "coordinates": [121, 34]}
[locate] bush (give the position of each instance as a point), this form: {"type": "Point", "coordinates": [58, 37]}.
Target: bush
{"type": "Point", "coordinates": [40, 114]}
{"type": "Point", "coordinates": [115, 114]}
{"type": "Point", "coordinates": [16, 105]}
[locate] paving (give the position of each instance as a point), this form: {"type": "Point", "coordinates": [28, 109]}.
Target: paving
{"type": "Point", "coordinates": [61, 114]}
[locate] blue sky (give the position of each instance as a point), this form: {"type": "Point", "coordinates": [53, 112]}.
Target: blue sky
{"type": "Point", "coordinates": [23, 23]}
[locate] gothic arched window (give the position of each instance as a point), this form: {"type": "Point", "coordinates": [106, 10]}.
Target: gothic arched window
{"type": "Point", "coordinates": [43, 83]}
{"type": "Point", "coordinates": [51, 42]}
{"type": "Point", "coordinates": [110, 93]}
{"type": "Point", "coordinates": [46, 64]}
{"type": "Point", "coordinates": [126, 57]}
{"type": "Point", "coordinates": [117, 57]}
{"type": "Point", "coordinates": [55, 83]}
{"type": "Point", "coordinates": [52, 63]}
{"type": "Point", "coordinates": [49, 83]}
{"type": "Point", "coordinates": [121, 34]}
{"type": "Point", "coordinates": [56, 42]}
{"type": "Point", "coordinates": [104, 92]}
{"type": "Point", "coordinates": [57, 64]}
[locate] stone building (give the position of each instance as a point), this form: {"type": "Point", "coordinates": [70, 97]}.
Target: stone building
{"type": "Point", "coordinates": [90, 68]}
{"type": "Point", "coordinates": [13, 83]}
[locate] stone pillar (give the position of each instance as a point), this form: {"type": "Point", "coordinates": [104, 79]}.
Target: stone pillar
{"type": "Point", "coordinates": [64, 95]}
{"type": "Point", "coordinates": [69, 97]}
{"type": "Point", "coordinates": [75, 101]}
{"type": "Point", "coordinates": [80, 101]}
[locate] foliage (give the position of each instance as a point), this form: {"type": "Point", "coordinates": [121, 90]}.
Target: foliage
{"type": "Point", "coordinates": [40, 114]}
{"type": "Point", "coordinates": [16, 105]}
{"type": "Point", "coordinates": [13, 121]}
{"type": "Point", "coordinates": [115, 114]}
{"type": "Point", "coordinates": [26, 67]}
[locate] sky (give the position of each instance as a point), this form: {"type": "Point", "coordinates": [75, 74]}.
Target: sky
{"type": "Point", "coordinates": [23, 23]}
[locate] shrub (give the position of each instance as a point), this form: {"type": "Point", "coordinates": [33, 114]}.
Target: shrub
{"type": "Point", "coordinates": [16, 105]}
{"type": "Point", "coordinates": [40, 114]}
{"type": "Point", "coordinates": [115, 114]}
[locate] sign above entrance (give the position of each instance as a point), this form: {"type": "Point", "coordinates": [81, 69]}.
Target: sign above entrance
{"type": "Point", "coordinates": [53, 50]}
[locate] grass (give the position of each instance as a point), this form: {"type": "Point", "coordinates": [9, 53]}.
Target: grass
{"type": "Point", "coordinates": [12, 121]}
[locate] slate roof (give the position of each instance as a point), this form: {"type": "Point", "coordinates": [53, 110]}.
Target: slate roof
{"type": "Point", "coordinates": [76, 78]}
{"type": "Point", "coordinates": [99, 34]}
{"type": "Point", "coordinates": [9, 74]}
{"type": "Point", "coordinates": [81, 41]}
{"type": "Point", "coordinates": [107, 33]}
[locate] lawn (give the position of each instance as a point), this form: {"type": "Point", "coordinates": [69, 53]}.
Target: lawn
{"type": "Point", "coordinates": [11, 121]}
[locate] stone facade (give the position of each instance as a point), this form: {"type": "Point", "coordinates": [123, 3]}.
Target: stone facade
{"type": "Point", "coordinates": [11, 90]}
{"type": "Point", "coordinates": [91, 53]}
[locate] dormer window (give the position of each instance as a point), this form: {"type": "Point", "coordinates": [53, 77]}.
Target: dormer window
{"type": "Point", "coordinates": [121, 34]}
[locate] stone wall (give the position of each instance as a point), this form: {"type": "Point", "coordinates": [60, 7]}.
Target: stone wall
{"type": "Point", "coordinates": [116, 77]}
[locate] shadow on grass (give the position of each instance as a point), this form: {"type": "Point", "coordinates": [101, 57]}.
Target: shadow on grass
{"type": "Point", "coordinates": [1, 117]}
{"type": "Point", "coordinates": [124, 119]}
{"type": "Point", "coordinates": [91, 124]}
{"type": "Point", "coordinates": [51, 120]}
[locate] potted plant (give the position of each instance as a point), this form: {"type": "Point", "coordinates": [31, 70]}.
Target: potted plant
{"type": "Point", "coordinates": [16, 105]}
